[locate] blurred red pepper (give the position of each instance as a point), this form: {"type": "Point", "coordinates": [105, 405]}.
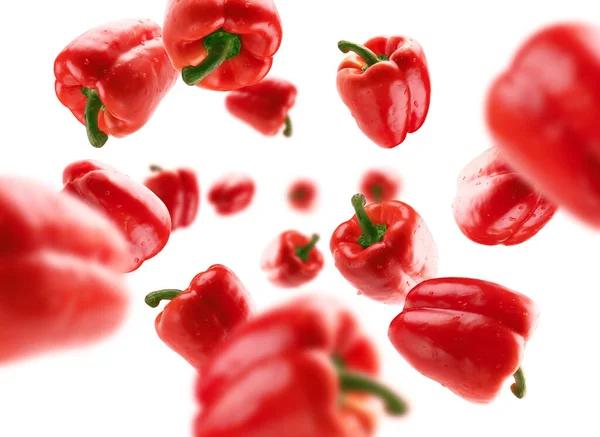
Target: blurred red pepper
{"type": "Point", "coordinates": [469, 335]}
{"type": "Point", "coordinates": [302, 369]}
{"type": "Point", "coordinates": [179, 191]}
{"type": "Point", "coordinates": [222, 45]}
{"type": "Point", "coordinates": [142, 217]}
{"type": "Point", "coordinates": [543, 113]}
{"type": "Point", "coordinates": [386, 87]}
{"type": "Point", "coordinates": [200, 318]}
{"type": "Point", "coordinates": [495, 206]}
{"type": "Point", "coordinates": [113, 77]}
{"type": "Point", "coordinates": [265, 106]}
{"type": "Point", "coordinates": [384, 250]}
{"type": "Point", "coordinates": [292, 259]}
{"type": "Point", "coordinates": [380, 185]}
{"type": "Point", "coordinates": [60, 271]}
{"type": "Point", "coordinates": [302, 195]}
{"type": "Point", "coordinates": [232, 194]}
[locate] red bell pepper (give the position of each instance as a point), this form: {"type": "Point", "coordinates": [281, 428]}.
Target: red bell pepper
{"type": "Point", "coordinates": [302, 369]}
{"type": "Point", "coordinates": [265, 106]}
{"type": "Point", "coordinates": [179, 191]}
{"type": "Point", "coordinates": [494, 205]}
{"type": "Point", "coordinates": [142, 217]}
{"type": "Point", "coordinates": [380, 185]}
{"type": "Point", "coordinates": [232, 194]}
{"type": "Point", "coordinates": [543, 113]}
{"type": "Point", "coordinates": [386, 86]}
{"type": "Point", "coordinates": [302, 195]}
{"type": "Point", "coordinates": [469, 335]}
{"type": "Point", "coordinates": [113, 77]}
{"type": "Point", "coordinates": [60, 272]}
{"type": "Point", "coordinates": [384, 250]}
{"type": "Point", "coordinates": [292, 259]}
{"type": "Point", "coordinates": [222, 45]}
{"type": "Point", "coordinates": [200, 318]}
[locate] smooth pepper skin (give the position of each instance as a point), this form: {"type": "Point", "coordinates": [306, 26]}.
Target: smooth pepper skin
{"type": "Point", "coordinates": [494, 205]}
{"type": "Point", "coordinates": [292, 260]}
{"type": "Point", "coordinates": [543, 113]}
{"type": "Point", "coordinates": [390, 98]}
{"type": "Point", "coordinates": [200, 318]}
{"type": "Point", "coordinates": [232, 194]}
{"type": "Point", "coordinates": [254, 26]}
{"type": "Point", "coordinates": [379, 185]}
{"type": "Point", "coordinates": [302, 195]}
{"type": "Point", "coordinates": [141, 216]}
{"type": "Point", "coordinates": [466, 334]}
{"type": "Point", "coordinates": [61, 284]}
{"type": "Point", "coordinates": [125, 62]}
{"type": "Point", "coordinates": [179, 191]}
{"type": "Point", "coordinates": [264, 106]}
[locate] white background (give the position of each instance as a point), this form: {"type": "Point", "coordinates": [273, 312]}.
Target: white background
{"type": "Point", "coordinates": [133, 385]}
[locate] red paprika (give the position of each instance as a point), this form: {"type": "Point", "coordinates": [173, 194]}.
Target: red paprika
{"type": "Point", "coordinates": [380, 185]}
{"type": "Point", "coordinates": [232, 194]}
{"type": "Point", "coordinates": [141, 216]}
{"type": "Point", "coordinates": [113, 77]}
{"type": "Point", "coordinates": [302, 195]}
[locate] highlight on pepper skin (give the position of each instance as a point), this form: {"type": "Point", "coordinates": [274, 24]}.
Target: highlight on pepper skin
{"type": "Point", "coordinates": [380, 185]}
{"type": "Point", "coordinates": [232, 194]}
{"type": "Point", "coordinates": [302, 195]}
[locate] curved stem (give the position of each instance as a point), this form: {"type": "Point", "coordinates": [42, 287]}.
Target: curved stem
{"type": "Point", "coordinates": [367, 54]}
{"type": "Point", "coordinates": [288, 127]}
{"type": "Point", "coordinates": [303, 252]}
{"type": "Point", "coordinates": [93, 107]}
{"type": "Point", "coordinates": [220, 46]}
{"type": "Point", "coordinates": [519, 387]}
{"type": "Point", "coordinates": [358, 382]}
{"type": "Point", "coordinates": [371, 233]}
{"type": "Point", "coordinates": [153, 299]}
{"type": "Point", "coordinates": [155, 168]}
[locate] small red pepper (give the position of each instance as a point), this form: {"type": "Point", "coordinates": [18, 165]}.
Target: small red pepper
{"type": "Point", "coordinates": [222, 45]}
{"type": "Point", "coordinates": [543, 113]}
{"type": "Point", "coordinates": [292, 259]}
{"type": "Point", "coordinates": [302, 369]}
{"type": "Point", "coordinates": [384, 250]}
{"type": "Point", "coordinates": [494, 205]}
{"type": "Point", "coordinates": [302, 195]}
{"type": "Point", "coordinates": [179, 191]}
{"type": "Point", "coordinates": [142, 217]}
{"type": "Point", "coordinates": [386, 87]}
{"type": "Point", "coordinates": [380, 185]}
{"type": "Point", "coordinates": [200, 318]}
{"type": "Point", "coordinates": [60, 272]}
{"type": "Point", "coordinates": [232, 194]}
{"type": "Point", "coordinates": [113, 77]}
{"type": "Point", "coordinates": [265, 106]}
{"type": "Point", "coordinates": [469, 335]}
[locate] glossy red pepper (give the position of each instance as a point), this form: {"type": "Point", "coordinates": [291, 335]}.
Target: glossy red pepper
{"type": "Point", "coordinates": [302, 369]}
{"type": "Point", "coordinates": [265, 106]}
{"type": "Point", "coordinates": [380, 185]}
{"type": "Point", "coordinates": [384, 250]}
{"type": "Point", "coordinates": [60, 272]}
{"type": "Point", "coordinates": [292, 259]}
{"type": "Point", "coordinates": [543, 113]}
{"type": "Point", "coordinates": [386, 86]}
{"type": "Point", "coordinates": [469, 335]}
{"type": "Point", "coordinates": [222, 44]}
{"type": "Point", "coordinates": [232, 194]}
{"type": "Point", "coordinates": [494, 205]}
{"type": "Point", "coordinates": [179, 191]}
{"type": "Point", "coordinates": [200, 318]}
{"type": "Point", "coordinates": [302, 195]}
{"type": "Point", "coordinates": [113, 77]}
{"type": "Point", "coordinates": [142, 217]}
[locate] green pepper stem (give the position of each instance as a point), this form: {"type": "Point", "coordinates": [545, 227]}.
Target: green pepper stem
{"type": "Point", "coordinates": [519, 387]}
{"type": "Point", "coordinates": [220, 46]}
{"type": "Point", "coordinates": [377, 191]}
{"type": "Point", "coordinates": [93, 107]}
{"type": "Point", "coordinates": [358, 382]}
{"type": "Point", "coordinates": [154, 167]}
{"type": "Point", "coordinates": [303, 252]}
{"type": "Point", "coordinates": [365, 53]}
{"type": "Point", "coordinates": [153, 299]}
{"type": "Point", "coordinates": [288, 127]}
{"type": "Point", "coordinates": [371, 233]}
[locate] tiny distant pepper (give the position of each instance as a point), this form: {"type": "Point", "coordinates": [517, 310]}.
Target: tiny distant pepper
{"type": "Point", "coordinates": [143, 218]}
{"type": "Point", "coordinates": [380, 185]}
{"type": "Point", "coordinates": [494, 205]}
{"type": "Point", "coordinates": [61, 263]}
{"type": "Point", "coordinates": [466, 334]}
{"type": "Point", "coordinates": [265, 106]}
{"type": "Point", "coordinates": [301, 369]}
{"type": "Point", "coordinates": [232, 194]}
{"type": "Point", "coordinates": [302, 195]}
{"type": "Point", "coordinates": [384, 250]}
{"type": "Point", "coordinates": [199, 319]}
{"type": "Point", "coordinates": [292, 259]}
{"type": "Point", "coordinates": [179, 191]}
{"type": "Point", "coordinates": [113, 77]}
{"type": "Point", "coordinates": [386, 86]}
{"type": "Point", "coordinates": [222, 44]}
